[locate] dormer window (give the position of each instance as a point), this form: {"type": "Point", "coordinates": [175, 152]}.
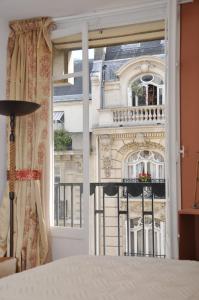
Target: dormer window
{"type": "Point", "coordinates": [147, 90]}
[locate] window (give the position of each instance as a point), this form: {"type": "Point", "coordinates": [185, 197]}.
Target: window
{"type": "Point", "coordinates": [137, 238]}
{"type": "Point", "coordinates": [147, 90]}
{"type": "Point", "coordinates": [58, 120]}
{"type": "Point", "coordinates": [145, 161]}
{"type": "Point", "coordinates": [141, 13]}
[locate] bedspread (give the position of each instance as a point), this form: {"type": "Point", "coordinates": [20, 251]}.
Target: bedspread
{"type": "Point", "coordinates": [105, 278]}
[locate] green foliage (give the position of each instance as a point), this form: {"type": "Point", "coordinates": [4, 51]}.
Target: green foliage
{"type": "Point", "coordinates": [61, 139]}
{"type": "Point", "coordinates": [137, 88]}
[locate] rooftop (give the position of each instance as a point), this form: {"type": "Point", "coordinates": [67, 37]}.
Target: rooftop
{"type": "Point", "coordinates": [115, 57]}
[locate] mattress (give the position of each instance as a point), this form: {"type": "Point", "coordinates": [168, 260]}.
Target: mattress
{"type": "Point", "coordinates": [105, 278]}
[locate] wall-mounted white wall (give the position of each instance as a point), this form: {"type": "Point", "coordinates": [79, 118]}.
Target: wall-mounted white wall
{"type": "Point", "coordinates": [73, 114]}
{"type": "Point", "coordinates": [67, 242]}
{"type": "Point", "coordinates": [3, 151]}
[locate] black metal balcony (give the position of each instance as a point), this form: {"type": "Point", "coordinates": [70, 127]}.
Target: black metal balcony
{"type": "Point", "coordinates": [68, 204]}
{"type": "Point", "coordinates": [111, 207]}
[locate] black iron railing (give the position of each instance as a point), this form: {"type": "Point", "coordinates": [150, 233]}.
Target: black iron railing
{"type": "Point", "coordinates": [68, 204]}
{"type": "Point", "coordinates": [112, 204]}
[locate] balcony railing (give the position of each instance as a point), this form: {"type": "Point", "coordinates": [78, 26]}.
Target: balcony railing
{"type": "Point", "coordinates": [151, 114]}
{"type": "Point", "coordinates": [113, 206]}
{"type": "Point", "coordinates": [68, 204]}
{"type": "Point", "coordinates": [140, 114]}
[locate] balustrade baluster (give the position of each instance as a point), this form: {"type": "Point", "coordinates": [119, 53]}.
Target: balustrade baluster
{"type": "Point", "coordinates": [116, 116]}
{"type": "Point", "coordinates": [141, 114]}
{"type": "Point", "coordinates": [135, 117]}
{"type": "Point", "coordinates": [150, 114]}
{"type": "Point", "coordinates": [158, 114]}
{"type": "Point", "coordinates": [120, 116]}
{"type": "Point", "coordinates": [144, 113]}
{"type": "Point", "coordinates": [162, 113]}
{"type": "Point", "coordinates": [132, 114]}
{"type": "Point", "coordinates": [126, 115]}
{"type": "Point", "coordinates": [123, 115]}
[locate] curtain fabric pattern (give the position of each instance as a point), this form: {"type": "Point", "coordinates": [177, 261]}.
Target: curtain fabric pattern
{"type": "Point", "coordinates": [29, 78]}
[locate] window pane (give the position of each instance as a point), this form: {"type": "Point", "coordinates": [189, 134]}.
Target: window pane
{"type": "Point", "coordinates": [68, 139]}
{"type": "Point", "coordinates": [152, 95]}
{"type": "Point", "coordinates": [150, 250]}
{"type": "Point", "coordinates": [160, 96]}
{"type": "Point", "coordinates": [132, 243]}
{"type": "Point", "coordinates": [139, 242]}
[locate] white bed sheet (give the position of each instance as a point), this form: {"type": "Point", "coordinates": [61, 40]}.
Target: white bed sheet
{"type": "Point", "coordinates": [105, 278]}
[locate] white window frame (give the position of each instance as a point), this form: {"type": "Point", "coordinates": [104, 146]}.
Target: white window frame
{"type": "Point", "coordinates": [146, 85]}
{"type": "Point", "coordinates": [147, 227]}
{"type": "Point", "coordinates": [145, 162]}
{"type": "Point", "coordinates": [78, 233]}
{"type": "Point", "coordinates": [141, 11]}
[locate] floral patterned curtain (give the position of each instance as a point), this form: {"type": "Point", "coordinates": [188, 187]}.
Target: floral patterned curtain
{"type": "Point", "coordinates": [29, 78]}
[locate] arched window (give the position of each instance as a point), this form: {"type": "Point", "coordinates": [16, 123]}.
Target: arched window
{"type": "Point", "coordinates": [145, 161]}
{"type": "Point", "coordinates": [147, 90]}
{"type": "Point", "coordinates": [136, 237]}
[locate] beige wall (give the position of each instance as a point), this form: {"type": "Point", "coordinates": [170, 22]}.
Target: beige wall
{"type": "Point", "coordinates": [73, 115]}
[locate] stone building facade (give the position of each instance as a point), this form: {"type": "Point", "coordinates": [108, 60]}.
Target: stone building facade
{"type": "Point", "coordinates": [127, 133]}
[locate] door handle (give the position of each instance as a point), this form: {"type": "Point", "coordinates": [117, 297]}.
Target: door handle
{"type": "Point", "coordinates": [182, 151]}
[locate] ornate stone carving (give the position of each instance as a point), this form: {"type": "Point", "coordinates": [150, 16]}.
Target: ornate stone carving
{"type": "Point", "coordinates": [140, 138]}
{"type": "Point", "coordinates": [106, 142]}
{"type": "Point", "coordinates": [144, 67]}
{"type": "Point", "coordinates": [138, 146]}
{"type": "Point", "coordinates": [107, 164]}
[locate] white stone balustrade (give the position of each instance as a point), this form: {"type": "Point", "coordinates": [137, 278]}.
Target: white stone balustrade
{"type": "Point", "coordinates": [139, 114]}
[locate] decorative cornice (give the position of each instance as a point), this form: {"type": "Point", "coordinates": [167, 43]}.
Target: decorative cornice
{"type": "Point", "coordinates": [140, 146]}
{"type": "Point", "coordinates": [116, 131]}
{"type": "Point", "coordinates": [132, 135]}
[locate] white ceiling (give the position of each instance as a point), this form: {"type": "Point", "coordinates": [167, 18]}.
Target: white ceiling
{"type": "Point", "coordinates": [19, 9]}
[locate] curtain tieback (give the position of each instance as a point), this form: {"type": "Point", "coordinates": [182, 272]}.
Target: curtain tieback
{"type": "Point", "coordinates": [26, 174]}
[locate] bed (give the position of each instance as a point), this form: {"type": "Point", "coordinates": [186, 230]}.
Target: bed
{"type": "Point", "coordinates": [105, 278]}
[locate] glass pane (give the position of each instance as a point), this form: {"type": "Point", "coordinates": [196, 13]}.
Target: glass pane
{"type": "Point", "coordinates": [68, 165]}
{"type": "Point", "coordinates": [150, 237]}
{"type": "Point", "coordinates": [68, 140]}
{"type": "Point", "coordinates": [139, 242]}
{"type": "Point", "coordinates": [123, 134]}
{"type": "Point", "coordinates": [160, 96]}
{"type": "Point", "coordinates": [132, 243]}
{"type": "Point", "coordinates": [147, 78]}
{"type": "Point", "coordinates": [152, 94]}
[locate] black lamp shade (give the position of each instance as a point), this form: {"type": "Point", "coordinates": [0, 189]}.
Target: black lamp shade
{"type": "Point", "coordinates": [17, 107]}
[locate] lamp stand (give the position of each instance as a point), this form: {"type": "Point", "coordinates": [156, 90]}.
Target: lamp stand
{"type": "Point", "coordinates": [12, 180]}
{"type": "Point", "coordinates": [13, 108]}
